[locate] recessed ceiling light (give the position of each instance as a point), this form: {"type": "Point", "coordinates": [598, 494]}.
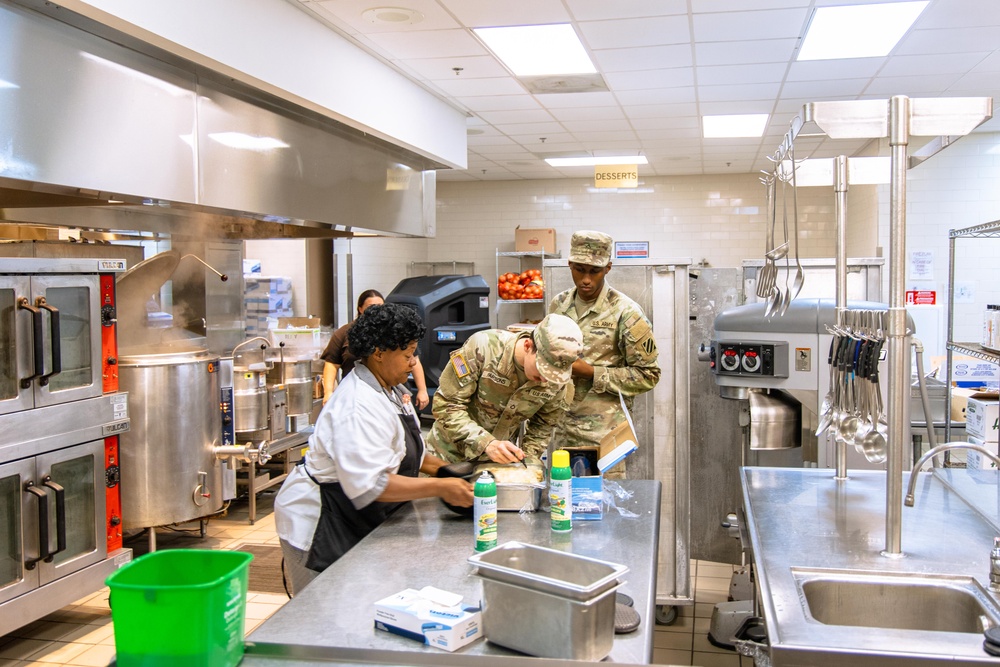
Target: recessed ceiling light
{"type": "Point", "coordinates": [732, 126]}
{"type": "Point", "coordinates": [247, 141]}
{"type": "Point", "coordinates": [393, 15]}
{"type": "Point", "coordinates": [534, 50]}
{"type": "Point", "coordinates": [591, 161]}
{"type": "Point", "coordinates": [858, 31]}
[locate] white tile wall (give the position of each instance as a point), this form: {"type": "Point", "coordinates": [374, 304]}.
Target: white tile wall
{"type": "Point", "coordinates": [717, 219]}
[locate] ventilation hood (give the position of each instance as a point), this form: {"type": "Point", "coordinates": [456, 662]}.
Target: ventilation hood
{"type": "Point", "coordinates": [99, 135]}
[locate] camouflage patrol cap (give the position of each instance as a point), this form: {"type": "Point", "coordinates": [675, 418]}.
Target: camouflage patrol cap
{"type": "Point", "coordinates": [590, 248]}
{"type": "Point", "coordinates": [558, 343]}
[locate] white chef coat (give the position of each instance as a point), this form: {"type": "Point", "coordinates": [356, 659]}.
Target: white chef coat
{"type": "Point", "coordinates": [358, 441]}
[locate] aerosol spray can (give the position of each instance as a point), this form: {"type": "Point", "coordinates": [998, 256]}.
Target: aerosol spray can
{"type": "Point", "coordinates": [561, 492]}
{"type": "Point", "coordinates": [485, 512]}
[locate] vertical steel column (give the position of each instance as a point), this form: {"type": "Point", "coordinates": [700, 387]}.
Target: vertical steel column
{"type": "Point", "coordinates": [899, 349]}
{"type": "Point", "coordinates": [951, 332]}
{"type": "Point", "coordinates": [840, 208]}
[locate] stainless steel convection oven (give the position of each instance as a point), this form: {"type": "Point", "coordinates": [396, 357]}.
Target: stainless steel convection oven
{"type": "Point", "coordinates": [60, 418]}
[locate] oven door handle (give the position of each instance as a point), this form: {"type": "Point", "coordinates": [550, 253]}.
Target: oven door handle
{"type": "Point", "coordinates": [60, 516]}
{"type": "Point", "coordinates": [43, 524]}
{"type": "Point", "coordinates": [38, 355]}
{"type": "Point", "coordinates": [55, 341]}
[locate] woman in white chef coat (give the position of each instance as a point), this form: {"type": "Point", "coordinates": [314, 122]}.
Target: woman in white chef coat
{"type": "Point", "coordinates": [364, 455]}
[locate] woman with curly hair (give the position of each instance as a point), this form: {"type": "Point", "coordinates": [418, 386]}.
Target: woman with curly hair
{"type": "Point", "coordinates": [365, 453]}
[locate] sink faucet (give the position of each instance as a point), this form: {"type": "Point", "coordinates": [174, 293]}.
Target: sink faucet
{"type": "Point", "coordinates": [940, 449]}
{"type": "Point", "coordinates": [995, 566]}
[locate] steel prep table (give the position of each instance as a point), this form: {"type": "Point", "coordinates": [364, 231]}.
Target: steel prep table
{"type": "Point", "coordinates": [424, 544]}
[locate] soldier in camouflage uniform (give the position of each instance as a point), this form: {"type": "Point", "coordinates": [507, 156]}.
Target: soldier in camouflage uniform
{"type": "Point", "coordinates": [619, 352]}
{"type": "Point", "coordinates": [498, 379]}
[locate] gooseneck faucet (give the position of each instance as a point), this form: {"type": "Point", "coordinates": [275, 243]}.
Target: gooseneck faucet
{"type": "Point", "coordinates": [940, 449]}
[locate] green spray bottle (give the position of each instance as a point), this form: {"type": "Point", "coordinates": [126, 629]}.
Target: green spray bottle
{"type": "Point", "coordinates": [485, 512]}
{"type": "Point", "coordinates": [561, 492]}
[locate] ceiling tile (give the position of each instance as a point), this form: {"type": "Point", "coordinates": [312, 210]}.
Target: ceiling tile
{"type": "Point", "coordinates": [755, 91]}
{"type": "Point", "coordinates": [428, 44]}
{"type": "Point", "coordinates": [811, 91]}
{"type": "Point", "coordinates": [742, 26]}
{"type": "Point", "coordinates": [740, 74]}
{"type": "Point", "coordinates": [563, 100]}
{"type": "Point", "coordinates": [588, 113]}
{"type": "Point", "coordinates": [914, 86]}
{"type": "Point", "coordinates": [945, 63]}
{"type": "Point", "coordinates": [473, 67]}
{"type": "Point", "coordinates": [485, 14]}
{"type": "Point", "coordinates": [577, 127]}
{"type": "Point", "coordinates": [594, 10]}
{"type": "Point", "coordinates": [627, 33]}
{"type": "Point", "coordinates": [649, 127]}
{"type": "Point", "coordinates": [460, 88]}
{"type": "Point", "coordinates": [651, 78]}
{"type": "Point", "coordinates": [960, 14]}
{"type": "Point", "coordinates": [714, 6]}
{"type": "Point", "coordinates": [515, 116]}
{"type": "Point", "coordinates": [501, 103]}
{"type": "Point", "coordinates": [821, 70]}
{"type": "Point", "coordinates": [948, 40]}
{"type": "Point", "coordinates": [648, 57]}
{"type": "Point", "coordinates": [660, 96]}
{"type": "Point", "coordinates": [745, 52]}
{"type": "Point", "coordinates": [661, 110]}
{"type": "Point", "coordinates": [351, 13]}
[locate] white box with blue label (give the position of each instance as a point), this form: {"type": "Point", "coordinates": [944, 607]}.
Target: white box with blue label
{"type": "Point", "coordinates": [590, 465]}
{"type": "Point", "coordinates": [982, 417]}
{"type": "Point", "coordinates": [430, 616]}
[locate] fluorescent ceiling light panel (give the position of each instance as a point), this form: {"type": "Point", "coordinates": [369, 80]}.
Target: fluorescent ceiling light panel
{"type": "Point", "coordinates": [247, 141]}
{"type": "Point", "coordinates": [536, 50]}
{"type": "Point", "coordinates": [590, 161]}
{"type": "Point", "coordinates": [740, 125]}
{"type": "Point", "coordinates": [858, 31]}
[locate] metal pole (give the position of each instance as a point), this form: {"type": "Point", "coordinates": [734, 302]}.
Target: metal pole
{"type": "Point", "coordinates": [840, 207]}
{"type": "Point", "coordinates": [951, 332]}
{"type": "Point", "coordinates": [899, 349]}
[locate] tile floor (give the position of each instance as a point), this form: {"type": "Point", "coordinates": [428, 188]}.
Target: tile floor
{"type": "Point", "coordinates": [81, 633]}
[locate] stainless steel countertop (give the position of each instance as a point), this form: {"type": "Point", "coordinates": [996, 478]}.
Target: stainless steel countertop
{"type": "Point", "coordinates": [424, 544]}
{"type": "Point", "coordinates": [804, 518]}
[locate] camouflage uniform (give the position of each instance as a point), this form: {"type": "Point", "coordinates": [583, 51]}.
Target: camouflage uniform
{"type": "Point", "coordinates": [617, 340]}
{"type": "Point", "coordinates": [483, 396]}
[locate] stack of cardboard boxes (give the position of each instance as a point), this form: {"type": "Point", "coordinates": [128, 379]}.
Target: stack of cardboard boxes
{"type": "Point", "coordinates": [266, 298]}
{"type": "Point", "coordinates": [982, 424]}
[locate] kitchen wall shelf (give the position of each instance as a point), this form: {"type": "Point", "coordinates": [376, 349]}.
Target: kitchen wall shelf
{"type": "Point", "coordinates": [989, 230]}
{"type": "Point", "coordinates": [526, 308]}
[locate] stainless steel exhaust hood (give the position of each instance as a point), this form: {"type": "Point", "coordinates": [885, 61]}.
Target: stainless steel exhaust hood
{"type": "Point", "coordinates": [118, 136]}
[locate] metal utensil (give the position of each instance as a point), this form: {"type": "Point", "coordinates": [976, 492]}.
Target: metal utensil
{"type": "Point", "coordinates": [800, 276]}
{"type": "Point", "coordinates": [769, 272]}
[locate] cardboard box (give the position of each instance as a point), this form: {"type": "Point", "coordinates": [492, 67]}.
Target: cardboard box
{"type": "Point", "coordinates": [969, 372]}
{"type": "Point", "coordinates": [960, 399]}
{"type": "Point", "coordinates": [430, 616]}
{"type": "Point", "coordinates": [535, 240]}
{"type": "Point", "coordinates": [976, 461]}
{"type": "Point", "coordinates": [982, 418]}
{"type": "Point", "coordinates": [588, 490]}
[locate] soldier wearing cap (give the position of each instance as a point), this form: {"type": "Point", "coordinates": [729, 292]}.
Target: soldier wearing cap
{"type": "Point", "coordinates": [497, 380]}
{"type": "Point", "coordinates": [619, 352]}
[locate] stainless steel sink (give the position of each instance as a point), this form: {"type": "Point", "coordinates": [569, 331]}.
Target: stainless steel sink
{"type": "Point", "coordinates": [894, 601]}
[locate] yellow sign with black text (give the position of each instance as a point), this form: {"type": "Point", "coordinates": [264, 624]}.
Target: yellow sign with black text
{"type": "Point", "coordinates": [616, 176]}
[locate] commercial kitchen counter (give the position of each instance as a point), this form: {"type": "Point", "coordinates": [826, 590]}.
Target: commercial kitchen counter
{"type": "Point", "coordinates": [424, 544]}
{"type": "Point", "coordinates": [829, 596]}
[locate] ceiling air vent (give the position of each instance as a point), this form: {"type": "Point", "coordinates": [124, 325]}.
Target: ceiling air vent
{"type": "Point", "coordinates": [564, 83]}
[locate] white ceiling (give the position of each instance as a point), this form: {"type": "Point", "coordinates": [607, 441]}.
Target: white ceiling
{"type": "Point", "coordinates": [666, 63]}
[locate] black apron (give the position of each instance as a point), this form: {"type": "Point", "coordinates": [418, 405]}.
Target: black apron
{"type": "Point", "coordinates": [341, 525]}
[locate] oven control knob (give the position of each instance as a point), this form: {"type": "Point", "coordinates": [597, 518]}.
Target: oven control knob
{"type": "Point", "coordinates": [115, 520]}
{"type": "Point", "coordinates": [108, 315]}
{"type": "Point", "coordinates": [730, 360]}
{"type": "Point", "coordinates": [112, 476]}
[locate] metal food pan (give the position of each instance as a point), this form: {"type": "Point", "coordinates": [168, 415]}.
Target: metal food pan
{"type": "Point", "coordinates": [548, 570]}
{"type": "Point", "coordinates": [517, 497]}
{"type": "Point", "coordinates": [547, 625]}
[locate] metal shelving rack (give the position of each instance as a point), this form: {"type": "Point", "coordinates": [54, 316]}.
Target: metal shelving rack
{"type": "Point", "coordinates": [521, 256]}
{"type": "Point", "coordinates": [989, 230]}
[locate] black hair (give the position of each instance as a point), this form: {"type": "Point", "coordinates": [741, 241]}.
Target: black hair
{"type": "Point", "coordinates": [389, 326]}
{"type": "Point", "coordinates": [367, 294]}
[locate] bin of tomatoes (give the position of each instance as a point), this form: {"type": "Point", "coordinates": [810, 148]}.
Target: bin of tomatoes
{"type": "Point", "coordinates": [525, 285]}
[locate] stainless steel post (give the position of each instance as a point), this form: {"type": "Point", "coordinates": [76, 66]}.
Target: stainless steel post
{"type": "Point", "coordinates": [899, 349]}
{"type": "Point", "coordinates": [951, 330]}
{"type": "Point", "coordinates": [840, 207]}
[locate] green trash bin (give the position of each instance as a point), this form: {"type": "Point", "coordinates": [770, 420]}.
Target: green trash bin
{"type": "Point", "coordinates": [180, 607]}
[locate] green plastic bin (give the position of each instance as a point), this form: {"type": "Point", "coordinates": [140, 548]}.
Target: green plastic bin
{"type": "Point", "coordinates": [180, 607]}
